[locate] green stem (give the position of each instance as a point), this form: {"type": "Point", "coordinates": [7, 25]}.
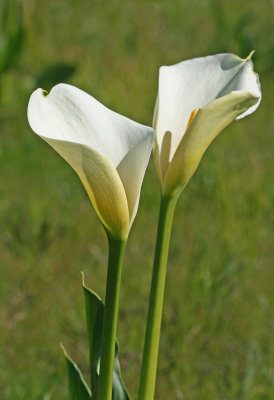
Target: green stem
{"type": "Point", "coordinates": [115, 262]}
{"type": "Point", "coordinates": [152, 338]}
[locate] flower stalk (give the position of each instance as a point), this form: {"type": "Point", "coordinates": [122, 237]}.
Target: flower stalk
{"type": "Point", "coordinates": [152, 337]}
{"type": "Point", "coordinates": [115, 262]}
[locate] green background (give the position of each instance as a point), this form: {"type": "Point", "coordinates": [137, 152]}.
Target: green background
{"type": "Point", "coordinates": [217, 331]}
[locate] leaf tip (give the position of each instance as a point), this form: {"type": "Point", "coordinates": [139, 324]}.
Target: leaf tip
{"type": "Point", "coordinates": [83, 278]}
{"type": "Point", "coordinates": [63, 349]}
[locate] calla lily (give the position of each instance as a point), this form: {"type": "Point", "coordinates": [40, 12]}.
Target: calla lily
{"type": "Point", "coordinates": [109, 152]}
{"type": "Point", "coordinates": [196, 100]}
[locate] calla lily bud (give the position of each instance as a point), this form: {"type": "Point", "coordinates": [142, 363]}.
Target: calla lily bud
{"type": "Point", "coordinates": [108, 151]}
{"type": "Point", "coordinates": [196, 100]}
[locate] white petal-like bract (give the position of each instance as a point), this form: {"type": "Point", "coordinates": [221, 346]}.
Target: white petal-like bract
{"type": "Point", "coordinates": [195, 85]}
{"type": "Point", "coordinates": [108, 151]}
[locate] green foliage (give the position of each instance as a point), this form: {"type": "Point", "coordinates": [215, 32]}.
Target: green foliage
{"type": "Point", "coordinates": [95, 316]}
{"type": "Point", "coordinates": [78, 389]}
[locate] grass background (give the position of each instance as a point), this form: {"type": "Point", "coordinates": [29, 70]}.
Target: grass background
{"type": "Point", "coordinates": [217, 332]}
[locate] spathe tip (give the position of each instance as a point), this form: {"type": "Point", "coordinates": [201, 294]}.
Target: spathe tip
{"type": "Point", "coordinates": [250, 55]}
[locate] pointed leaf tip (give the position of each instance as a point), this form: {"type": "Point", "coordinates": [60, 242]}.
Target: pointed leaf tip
{"type": "Point", "coordinates": [83, 278]}
{"type": "Point", "coordinates": [78, 388]}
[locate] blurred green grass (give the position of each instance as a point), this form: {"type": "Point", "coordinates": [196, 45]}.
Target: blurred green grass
{"type": "Point", "coordinates": [217, 333]}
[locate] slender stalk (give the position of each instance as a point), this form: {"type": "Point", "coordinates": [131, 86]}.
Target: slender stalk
{"type": "Point", "coordinates": [152, 338]}
{"type": "Point", "coordinates": [115, 261]}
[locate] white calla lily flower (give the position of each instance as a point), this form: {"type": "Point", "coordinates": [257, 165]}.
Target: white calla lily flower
{"type": "Point", "coordinates": [196, 100]}
{"type": "Point", "coordinates": [108, 151]}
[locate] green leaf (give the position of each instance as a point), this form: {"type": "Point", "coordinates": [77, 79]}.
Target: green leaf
{"type": "Point", "coordinates": [78, 388]}
{"type": "Point", "coordinates": [95, 317]}
{"type": "Point", "coordinates": [119, 391]}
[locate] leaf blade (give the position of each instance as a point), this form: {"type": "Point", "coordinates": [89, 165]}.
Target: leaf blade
{"type": "Point", "coordinates": [78, 388]}
{"type": "Point", "coordinates": [95, 317]}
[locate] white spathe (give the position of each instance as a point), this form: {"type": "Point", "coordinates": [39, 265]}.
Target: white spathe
{"type": "Point", "coordinates": [220, 88]}
{"type": "Point", "coordinates": [108, 151]}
